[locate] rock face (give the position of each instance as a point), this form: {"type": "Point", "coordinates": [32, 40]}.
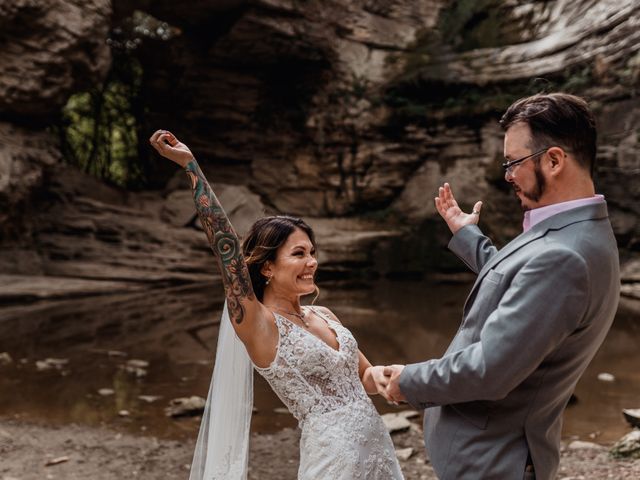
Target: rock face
{"type": "Point", "coordinates": [348, 112]}
{"type": "Point", "coordinates": [370, 105]}
{"type": "Point", "coordinates": [628, 446]}
{"type": "Point", "coordinates": [50, 49]}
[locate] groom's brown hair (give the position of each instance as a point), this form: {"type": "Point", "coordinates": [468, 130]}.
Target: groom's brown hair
{"type": "Point", "coordinates": [558, 119]}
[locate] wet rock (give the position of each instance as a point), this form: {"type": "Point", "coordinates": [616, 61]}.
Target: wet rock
{"type": "Point", "coordinates": [404, 454]}
{"type": "Point", "coordinates": [631, 290]}
{"type": "Point", "coordinates": [149, 398]}
{"type": "Point", "coordinates": [630, 271]}
{"type": "Point", "coordinates": [5, 359]}
{"type": "Point", "coordinates": [581, 445]}
{"type": "Point", "coordinates": [136, 367]}
{"type": "Point", "coordinates": [185, 406]}
{"type": "Point", "coordinates": [51, 363]}
{"type": "Point", "coordinates": [408, 414]}
{"type": "Point", "coordinates": [56, 461]}
{"type": "Point", "coordinates": [136, 363]}
{"type": "Point", "coordinates": [16, 288]}
{"type": "Point", "coordinates": [116, 353]}
{"type": "Point", "coordinates": [606, 377]}
{"type": "Point", "coordinates": [632, 415]}
{"type": "Point", "coordinates": [106, 392]}
{"type": "Point", "coordinates": [395, 422]}
{"type": "Point", "coordinates": [628, 446]}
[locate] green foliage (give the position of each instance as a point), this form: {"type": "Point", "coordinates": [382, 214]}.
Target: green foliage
{"type": "Point", "coordinates": [98, 127]}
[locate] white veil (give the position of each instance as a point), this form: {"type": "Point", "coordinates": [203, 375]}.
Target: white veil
{"type": "Point", "coordinates": [222, 449]}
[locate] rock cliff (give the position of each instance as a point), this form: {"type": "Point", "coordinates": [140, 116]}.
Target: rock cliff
{"type": "Point", "coordinates": [350, 112]}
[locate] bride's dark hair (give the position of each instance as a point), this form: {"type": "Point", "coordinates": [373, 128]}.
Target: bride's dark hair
{"type": "Point", "coordinates": [262, 242]}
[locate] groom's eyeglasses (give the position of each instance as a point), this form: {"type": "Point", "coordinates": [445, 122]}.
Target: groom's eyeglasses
{"type": "Point", "coordinates": [508, 166]}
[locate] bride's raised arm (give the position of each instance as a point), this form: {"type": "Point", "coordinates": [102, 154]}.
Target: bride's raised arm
{"type": "Point", "coordinates": [243, 306]}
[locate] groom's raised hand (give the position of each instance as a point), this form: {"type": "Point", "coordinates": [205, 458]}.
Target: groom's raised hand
{"type": "Point", "coordinates": [450, 211]}
{"type": "Point", "coordinates": [393, 392]}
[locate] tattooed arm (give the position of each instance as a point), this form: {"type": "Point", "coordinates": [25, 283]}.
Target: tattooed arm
{"type": "Point", "coordinates": [241, 301]}
{"type": "Point", "coordinates": [224, 242]}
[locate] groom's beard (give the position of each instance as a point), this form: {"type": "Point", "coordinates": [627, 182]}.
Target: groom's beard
{"type": "Point", "coordinates": [534, 193]}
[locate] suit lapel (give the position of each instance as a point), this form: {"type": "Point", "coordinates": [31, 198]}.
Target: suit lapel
{"type": "Point", "coordinates": [556, 222]}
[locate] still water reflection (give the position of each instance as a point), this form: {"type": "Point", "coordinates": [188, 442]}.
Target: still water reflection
{"type": "Point", "coordinates": [175, 331]}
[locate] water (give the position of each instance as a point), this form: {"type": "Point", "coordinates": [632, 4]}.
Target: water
{"type": "Point", "coordinates": [175, 331]}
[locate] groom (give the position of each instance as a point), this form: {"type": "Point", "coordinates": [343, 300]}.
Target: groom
{"type": "Point", "coordinates": [537, 313]}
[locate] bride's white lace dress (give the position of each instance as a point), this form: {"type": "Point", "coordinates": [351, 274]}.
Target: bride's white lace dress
{"type": "Point", "coordinates": [343, 437]}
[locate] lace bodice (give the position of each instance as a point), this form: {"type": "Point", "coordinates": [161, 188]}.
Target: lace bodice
{"type": "Point", "coordinates": [309, 376]}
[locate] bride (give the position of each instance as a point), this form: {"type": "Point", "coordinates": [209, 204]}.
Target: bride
{"type": "Point", "coordinates": [310, 360]}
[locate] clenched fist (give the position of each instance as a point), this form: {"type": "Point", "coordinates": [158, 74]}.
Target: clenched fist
{"type": "Point", "coordinates": [170, 147]}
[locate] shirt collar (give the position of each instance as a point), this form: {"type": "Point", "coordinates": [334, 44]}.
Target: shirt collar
{"type": "Point", "coordinates": [537, 215]}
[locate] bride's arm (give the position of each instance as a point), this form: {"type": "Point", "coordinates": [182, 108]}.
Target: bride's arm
{"type": "Point", "coordinates": [241, 301]}
{"type": "Point", "coordinates": [225, 245]}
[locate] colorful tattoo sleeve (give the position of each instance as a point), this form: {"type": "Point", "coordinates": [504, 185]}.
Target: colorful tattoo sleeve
{"type": "Point", "coordinates": [223, 241]}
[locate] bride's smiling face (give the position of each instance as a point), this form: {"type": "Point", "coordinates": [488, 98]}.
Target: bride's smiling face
{"type": "Point", "coordinates": [293, 271]}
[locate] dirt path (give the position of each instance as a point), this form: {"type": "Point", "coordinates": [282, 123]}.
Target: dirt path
{"type": "Point", "coordinates": [103, 454]}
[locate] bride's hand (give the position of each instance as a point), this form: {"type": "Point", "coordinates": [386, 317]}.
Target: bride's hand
{"type": "Point", "coordinates": [170, 147]}
{"type": "Point", "coordinates": [450, 211]}
{"type": "Point", "coordinates": [380, 380]}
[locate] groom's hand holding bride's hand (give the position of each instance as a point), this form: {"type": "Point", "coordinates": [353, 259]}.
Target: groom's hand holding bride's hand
{"type": "Point", "coordinates": [380, 380]}
{"type": "Point", "coordinates": [393, 393]}
{"type": "Point", "coordinates": [451, 213]}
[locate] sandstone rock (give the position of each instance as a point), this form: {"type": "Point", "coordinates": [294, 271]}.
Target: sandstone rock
{"type": "Point", "coordinates": [137, 363]}
{"type": "Point", "coordinates": [186, 406]}
{"type": "Point", "coordinates": [55, 48]}
{"type": "Point", "coordinates": [24, 153]}
{"type": "Point", "coordinates": [5, 359]}
{"type": "Point", "coordinates": [51, 363]}
{"type": "Point", "coordinates": [302, 109]}
{"type": "Point", "coordinates": [632, 416]}
{"type": "Point", "coordinates": [580, 445]}
{"type": "Point", "coordinates": [630, 271]}
{"type": "Point", "coordinates": [606, 377]}
{"type": "Point", "coordinates": [395, 422]}
{"type": "Point", "coordinates": [136, 367]}
{"type": "Point", "coordinates": [628, 446]}
{"type": "Point", "coordinates": [631, 290]}
{"type": "Point", "coordinates": [15, 288]}
{"type": "Point", "coordinates": [149, 398]}
{"type": "Point", "coordinates": [56, 461]}
{"type": "Point", "coordinates": [404, 454]}
{"type": "Point", "coordinates": [409, 414]}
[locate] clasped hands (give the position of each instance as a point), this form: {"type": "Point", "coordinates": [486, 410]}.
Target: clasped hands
{"type": "Point", "coordinates": [386, 380]}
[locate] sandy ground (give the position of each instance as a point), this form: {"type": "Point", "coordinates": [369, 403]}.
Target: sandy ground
{"type": "Point", "coordinates": [103, 454]}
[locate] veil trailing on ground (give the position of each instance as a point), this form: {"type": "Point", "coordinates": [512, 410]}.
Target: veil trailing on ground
{"type": "Point", "coordinates": [222, 449]}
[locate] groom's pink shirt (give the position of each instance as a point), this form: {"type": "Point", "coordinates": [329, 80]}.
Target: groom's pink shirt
{"type": "Point", "coordinates": [535, 216]}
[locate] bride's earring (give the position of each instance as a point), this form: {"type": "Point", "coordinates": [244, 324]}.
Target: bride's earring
{"type": "Point", "coordinates": [268, 280]}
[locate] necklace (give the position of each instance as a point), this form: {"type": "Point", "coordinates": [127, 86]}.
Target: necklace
{"type": "Point", "coordinates": [295, 314]}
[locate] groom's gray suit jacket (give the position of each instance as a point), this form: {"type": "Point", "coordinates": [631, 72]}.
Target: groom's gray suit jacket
{"type": "Point", "coordinates": [536, 315]}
